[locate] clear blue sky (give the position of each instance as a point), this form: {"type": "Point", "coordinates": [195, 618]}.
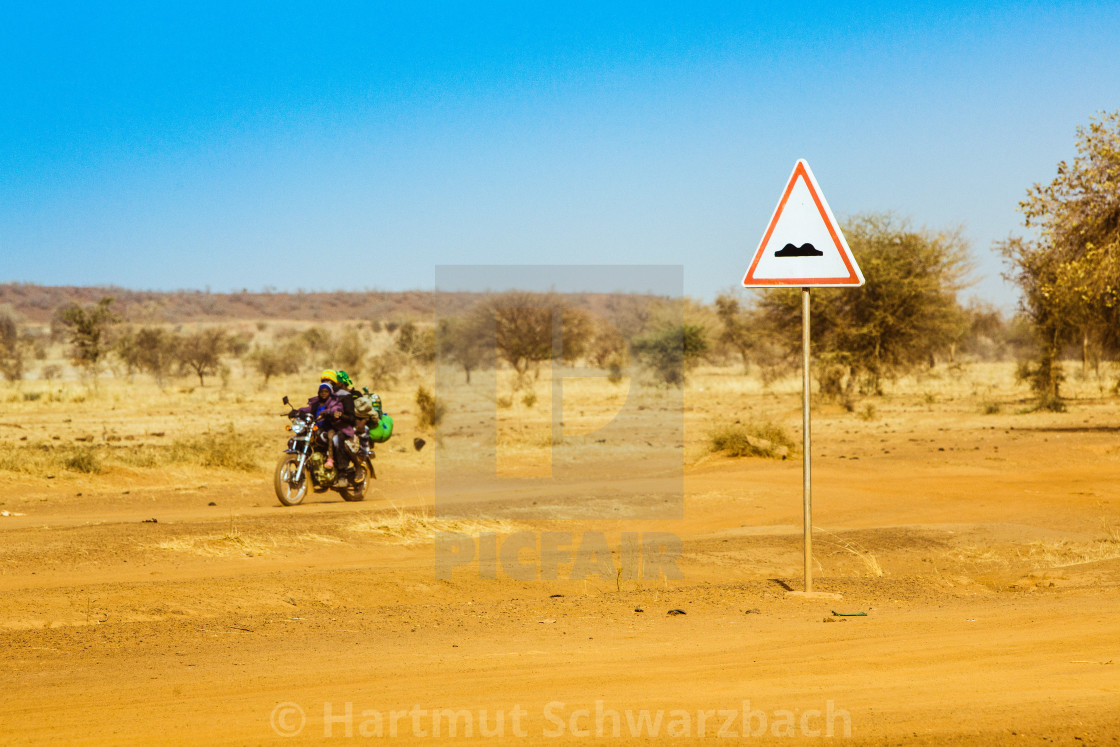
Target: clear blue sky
{"type": "Point", "coordinates": [231, 145]}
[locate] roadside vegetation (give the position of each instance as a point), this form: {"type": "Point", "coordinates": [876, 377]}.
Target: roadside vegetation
{"type": "Point", "coordinates": [58, 345]}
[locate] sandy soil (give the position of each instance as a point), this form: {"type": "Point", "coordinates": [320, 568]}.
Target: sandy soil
{"type": "Point", "coordinates": [977, 559]}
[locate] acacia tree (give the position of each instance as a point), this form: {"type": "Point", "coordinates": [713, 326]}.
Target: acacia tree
{"type": "Point", "coordinates": [462, 340]}
{"type": "Point", "coordinates": [276, 360]}
{"type": "Point", "coordinates": [739, 330]}
{"type": "Point", "coordinates": [905, 313]}
{"type": "Point", "coordinates": [13, 346]}
{"type": "Point", "coordinates": [671, 350]}
{"type": "Point", "coordinates": [88, 328]}
{"type": "Point", "coordinates": [1069, 272]}
{"type": "Point", "coordinates": [202, 352]}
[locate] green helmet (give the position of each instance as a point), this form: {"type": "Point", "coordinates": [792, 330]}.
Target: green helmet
{"type": "Point", "coordinates": [344, 379]}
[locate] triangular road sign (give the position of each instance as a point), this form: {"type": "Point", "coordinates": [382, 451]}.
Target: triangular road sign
{"type": "Point", "coordinates": [803, 245]}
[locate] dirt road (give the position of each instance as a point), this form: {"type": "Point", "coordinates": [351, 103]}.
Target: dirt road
{"type": "Point", "coordinates": [977, 559]}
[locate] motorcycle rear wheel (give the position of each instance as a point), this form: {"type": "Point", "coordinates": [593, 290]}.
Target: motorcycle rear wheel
{"type": "Point", "coordinates": [357, 491]}
{"type": "Point", "coordinates": [290, 492]}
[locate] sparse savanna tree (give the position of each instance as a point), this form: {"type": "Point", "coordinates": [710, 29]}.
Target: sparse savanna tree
{"type": "Point", "coordinates": [577, 330]}
{"type": "Point", "coordinates": [88, 329]}
{"type": "Point", "coordinates": [158, 349]}
{"type": "Point", "coordinates": [739, 330]}
{"type": "Point", "coordinates": [1069, 272]}
{"type": "Point", "coordinates": [607, 347]}
{"type": "Point", "coordinates": [904, 315]}
{"type": "Point", "coordinates": [201, 352]}
{"type": "Point", "coordinates": [416, 342]}
{"type": "Point", "coordinates": [464, 341]}
{"type": "Point", "coordinates": [350, 352]}
{"type": "Point", "coordinates": [276, 360]}
{"type": "Point", "coordinates": [13, 346]}
{"type": "Point", "coordinates": [523, 325]}
{"type": "Point", "coordinates": [671, 350]}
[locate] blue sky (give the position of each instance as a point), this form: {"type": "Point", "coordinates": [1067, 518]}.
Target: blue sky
{"type": "Point", "coordinates": [236, 145]}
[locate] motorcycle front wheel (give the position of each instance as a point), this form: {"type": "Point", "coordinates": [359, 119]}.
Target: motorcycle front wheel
{"type": "Point", "coordinates": [290, 488]}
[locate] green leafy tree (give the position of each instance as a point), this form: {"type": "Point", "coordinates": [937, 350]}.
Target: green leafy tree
{"type": "Point", "coordinates": [1069, 272]}
{"type": "Point", "coordinates": [905, 313]}
{"type": "Point", "coordinates": [672, 350]}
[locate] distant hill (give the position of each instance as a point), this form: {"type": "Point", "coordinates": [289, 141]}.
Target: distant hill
{"type": "Point", "coordinates": [36, 304]}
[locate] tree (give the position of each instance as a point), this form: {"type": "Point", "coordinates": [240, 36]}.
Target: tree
{"type": "Point", "coordinates": [1070, 272]}
{"type": "Point", "coordinates": [577, 329]}
{"type": "Point", "coordinates": [671, 350]}
{"type": "Point", "coordinates": [158, 350]}
{"type": "Point", "coordinates": [739, 330]}
{"type": "Point", "coordinates": [522, 328]}
{"type": "Point", "coordinates": [349, 352]}
{"type": "Point", "coordinates": [275, 360]}
{"type": "Point", "coordinates": [13, 346]}
{"type": "Point", "coordinates": [202, 352]}
{"type": "Point", "coordinates": [462, 340]}
{"type": "Point", "coordinates": [417, 343]}
{"type": "Point", "coordinates": [89, 328]}
{"type": "Point", "coordinates": [904, 314]}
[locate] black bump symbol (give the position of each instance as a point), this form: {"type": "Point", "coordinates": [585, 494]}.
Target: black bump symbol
{"type": "Point", "coordinates": [805, 250]}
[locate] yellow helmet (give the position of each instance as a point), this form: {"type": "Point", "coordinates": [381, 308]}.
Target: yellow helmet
{"type": "Point", "coordinates": [329, 375]}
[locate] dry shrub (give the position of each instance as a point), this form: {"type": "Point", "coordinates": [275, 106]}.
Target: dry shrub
{"type": "Point", "coordinates": [46, 459]}
{"type": "Point", "coordinates": [83, 459]}
{"type": "Point", "coordinates": [764, 439]}
{"type": "Point", "coordinates": [431, 410]}
{"type": "Point", "coordinates": [221, 449]}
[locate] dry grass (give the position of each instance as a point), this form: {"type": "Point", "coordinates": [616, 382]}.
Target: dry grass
{"type": "Point", "coordinates": [223, 449]}
{"type": "Point", "coordinates": [411, 527]}
{"type": "Point", "coordinates": [981, 556]}
{"type": "Point", "coordinates": [865, 556]}
{"type": "Point", "coordinates": [1064, 553]}
{"type": "Point", "coordinates": [1111, 531]}
{"type": "Point", "coordinates": [225, 545]}
{"type": "Point", "coordinates": [234, 542]}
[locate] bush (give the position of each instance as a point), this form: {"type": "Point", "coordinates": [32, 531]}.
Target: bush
{"type": "Point", "coordinates": [431, 411]}
{"type": "Point", "coordinates": [222, 449]}
{"type": "Point", "coordinates": [83, 459]}
{"type": "Point", "coordinates": [752, 439]}
{"type": "Point", "coordinates": [384, 369]}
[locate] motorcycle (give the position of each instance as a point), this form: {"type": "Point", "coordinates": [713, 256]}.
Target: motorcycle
{"type": "Point", "coordinates": [304, 464]}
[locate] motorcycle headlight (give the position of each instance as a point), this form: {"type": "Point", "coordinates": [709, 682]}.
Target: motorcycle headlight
{"type": "Point", "coordinates": [298, 426]}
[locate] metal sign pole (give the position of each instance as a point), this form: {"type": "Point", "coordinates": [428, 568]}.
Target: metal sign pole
{"type": "Point", "coordinates": [805, 439]}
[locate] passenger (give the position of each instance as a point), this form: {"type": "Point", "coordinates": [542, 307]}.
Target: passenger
{"type": "Point", "coordinates": [325, 409]}
{"type": "Point", "coordinates": [344, 424]}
